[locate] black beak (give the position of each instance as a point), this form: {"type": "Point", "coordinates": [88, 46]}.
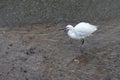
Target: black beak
{"type": "Point", "coordinates": [63, 29]}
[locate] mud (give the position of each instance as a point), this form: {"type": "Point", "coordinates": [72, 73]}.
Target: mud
{"type": "Point", "coordinates": [44, 52]}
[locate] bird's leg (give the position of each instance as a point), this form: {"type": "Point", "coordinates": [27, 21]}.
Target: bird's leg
{"type": "Point", "coordinates": [81, 46]}
{"type": "Point", "coordinates": [82, 40]}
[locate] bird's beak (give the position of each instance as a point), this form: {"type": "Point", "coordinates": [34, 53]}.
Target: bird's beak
{"type": "Point", "coordinates": [64, 29]}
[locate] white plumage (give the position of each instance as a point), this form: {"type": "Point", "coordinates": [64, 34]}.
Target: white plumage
{"type": "Point", "coordinates": [81, 30]}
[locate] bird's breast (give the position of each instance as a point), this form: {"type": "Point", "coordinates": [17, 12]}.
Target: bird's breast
{"type": "Point", "coordinates": [73, 35]}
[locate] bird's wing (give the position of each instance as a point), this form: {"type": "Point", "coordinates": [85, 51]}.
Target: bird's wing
{"type": "Point", "coordinates": [85, 28]}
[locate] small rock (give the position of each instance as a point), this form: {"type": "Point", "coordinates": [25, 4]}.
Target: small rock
{"type": "Point", "coordinates": [6, 52]}
{"type": "Point", "coordinates": [30, 51]}
{"type": "Point", "coordinates": [11, 45]}
{"type": "Point", "coordinates": [76, 61]}
{"type": "Point", "coordinates": [45, 58]}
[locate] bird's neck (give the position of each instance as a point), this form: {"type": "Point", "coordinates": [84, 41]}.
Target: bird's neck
{"type": "Point", "coordinates": [72, 29]}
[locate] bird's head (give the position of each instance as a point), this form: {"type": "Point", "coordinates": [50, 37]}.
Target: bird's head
{"type": "Point", "coordinates": [68, 27]}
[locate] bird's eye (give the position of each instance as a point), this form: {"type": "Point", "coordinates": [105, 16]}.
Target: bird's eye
{"type": "Point", "coordinates": [67, 28]}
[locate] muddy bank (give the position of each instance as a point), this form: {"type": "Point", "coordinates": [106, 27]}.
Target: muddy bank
{"type": "Point", "coordinates": [43, 52]}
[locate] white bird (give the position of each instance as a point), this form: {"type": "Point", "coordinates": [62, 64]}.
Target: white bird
{"type": "Point", "coordinates": [80, 31]}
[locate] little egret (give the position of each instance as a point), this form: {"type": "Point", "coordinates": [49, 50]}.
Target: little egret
{"type": "Point", "coordinates": [80, 31]}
